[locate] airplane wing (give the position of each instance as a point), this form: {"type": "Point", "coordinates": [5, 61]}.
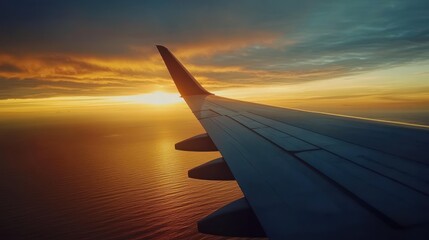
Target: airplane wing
{"type": "Point", "coordinates": [308, 175]}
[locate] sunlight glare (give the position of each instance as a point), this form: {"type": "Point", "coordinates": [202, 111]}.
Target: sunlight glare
{"type": "Point", "coordinates": [154, 98]}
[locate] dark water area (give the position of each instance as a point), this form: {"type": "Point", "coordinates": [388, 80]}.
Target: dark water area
{"type": "Point", "coordinates": [104, 178]}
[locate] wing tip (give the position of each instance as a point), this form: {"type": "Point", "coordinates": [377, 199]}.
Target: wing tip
{"type": "Point", "coordinates": [160, 47]}
{"type": "Point", "coordinates": [185, 82]}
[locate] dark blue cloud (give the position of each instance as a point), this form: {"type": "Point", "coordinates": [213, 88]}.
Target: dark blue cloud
{"type": "Point", "coordinates": [110, 27]}
{"type": "Point", "coordinates": [350, 36]}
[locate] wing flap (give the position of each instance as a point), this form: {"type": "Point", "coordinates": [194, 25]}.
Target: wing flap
{"type": "Point", "coordinates": [285, 141]}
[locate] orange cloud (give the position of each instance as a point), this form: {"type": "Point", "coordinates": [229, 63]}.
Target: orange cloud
{"type": "Point", "coordinates": [117, 75]}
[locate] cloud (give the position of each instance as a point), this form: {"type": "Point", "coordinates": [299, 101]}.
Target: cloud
{"type": "Point", "coordinates": [52, 48]}
{"type": "Point", "coordinates": [110, 28]}
{"type": "Point", "coordinates": [9, 68]}
{"type": "Point", "coordinates": [351, 38]}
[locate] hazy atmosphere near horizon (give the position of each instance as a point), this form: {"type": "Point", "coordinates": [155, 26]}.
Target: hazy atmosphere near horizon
{"type": "Point", "coordinates": [89, 114]}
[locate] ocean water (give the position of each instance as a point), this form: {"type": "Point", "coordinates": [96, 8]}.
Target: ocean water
{"type": "Point", "coordinates": [108, 172]}
{"type": "Point", "coordinates": [101, 175]}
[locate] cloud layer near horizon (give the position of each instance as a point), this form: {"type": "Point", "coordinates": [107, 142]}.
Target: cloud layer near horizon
{"type": "Point", "coordinates": [62, 48]}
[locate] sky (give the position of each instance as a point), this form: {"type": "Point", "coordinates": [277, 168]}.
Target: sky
{"type": "Point", "coordinates": [350, 54]}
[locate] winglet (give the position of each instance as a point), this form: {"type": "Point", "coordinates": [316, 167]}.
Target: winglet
{"type": "Point", "coordinates": [185, 82]}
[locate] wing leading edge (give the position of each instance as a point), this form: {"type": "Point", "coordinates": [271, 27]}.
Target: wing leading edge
{"type": "Point", "coordinates": [308, 175]}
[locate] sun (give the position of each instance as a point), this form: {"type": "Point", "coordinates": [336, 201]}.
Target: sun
{"type": "Point", "coordinates": [153, 98]}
